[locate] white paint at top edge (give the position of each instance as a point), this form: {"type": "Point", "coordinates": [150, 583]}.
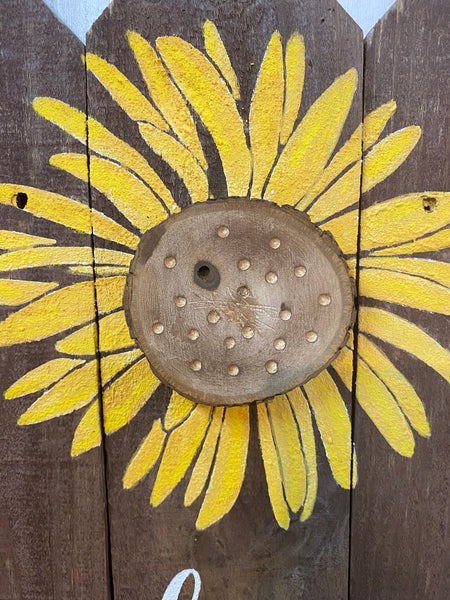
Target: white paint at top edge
{"type": "Point", "coordinates": [79, 15]}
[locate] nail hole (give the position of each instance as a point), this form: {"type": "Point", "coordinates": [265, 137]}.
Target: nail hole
{"type": "Point", "coordinates": [429, 204]}
{"type": "Point", "coordinates": [21, 200]}
{"type": "Point", "coordinates": [206, 275]}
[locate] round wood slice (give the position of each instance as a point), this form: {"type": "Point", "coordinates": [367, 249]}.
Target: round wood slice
{"type": "Point", "coordinates": [238, 300]}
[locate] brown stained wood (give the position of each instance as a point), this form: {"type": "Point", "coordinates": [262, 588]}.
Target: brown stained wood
{"type": "Point", "coordinates": [248, 299]}
{"type": "Point", "coordinates": [400, 518]}
{"type": "Point", "coordinates": [52, 527]}
{"type": "Point", "coordinates": [246, 554]}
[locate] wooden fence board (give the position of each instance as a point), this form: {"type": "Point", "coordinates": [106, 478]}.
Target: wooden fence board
{"type": "Point", "coordinates": [400, 541]}
{"type": "Point", "coordinates": [53, 541]}
{"type": "Point", "coordinates": [246, 554]}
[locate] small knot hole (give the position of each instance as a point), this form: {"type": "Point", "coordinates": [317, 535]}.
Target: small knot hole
{"type": "Point", "coordinates": [21, 200]}
{"type": "Point", "coordinates": [429, 204]}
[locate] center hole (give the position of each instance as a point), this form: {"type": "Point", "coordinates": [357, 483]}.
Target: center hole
{"type": "Point", "coordinates": [206, 275]}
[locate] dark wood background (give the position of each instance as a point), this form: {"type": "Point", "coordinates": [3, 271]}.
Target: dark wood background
{"type": "Point", "coordinates": [386, 540]}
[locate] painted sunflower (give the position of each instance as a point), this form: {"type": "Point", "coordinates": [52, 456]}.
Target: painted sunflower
{"type": "Point", "coordinates": [276, 158]}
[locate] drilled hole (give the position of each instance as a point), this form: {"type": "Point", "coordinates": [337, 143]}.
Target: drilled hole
{"type": "Point", "coordinates": [21, 200]}
{"type": "Point", "coordinates": [206, 275]}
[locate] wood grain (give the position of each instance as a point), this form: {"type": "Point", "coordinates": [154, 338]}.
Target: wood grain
{"type": "Point", "coordinates": [400, 520]}
{"type": "Point", "coordinates": [52, 526]}
{"type": "Point", "coordinates": [245, 555]}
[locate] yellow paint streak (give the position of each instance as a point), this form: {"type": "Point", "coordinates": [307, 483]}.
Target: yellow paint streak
{"type": "Point", "coordinates": [88, 434]}
{"type": "Point", "coordinates": [180, 159]}
{"type": "Point", "coordinates": [287, 444]}
{"type": "Point", "coordinates": [14, 292]}
{"type": "Point", "coordinates": [124, 92]}
{"type": "Point", "coordinates": [101, 271]}
{"type": "Point", "coordinates": [42, 377]}
{"type": "Point", "coordinates": [404, 289]}
{"type": "Point", "coordinates": [432, 269]}
{"type": "Point", "coordinates": [130, 196]}
{"type": "Point", "coordinates": [113, 332]}
{"type": "Point", "coordinates": [145, 457]}
{"type": "Point", "coordinates": [344, 230]}
{"type": "Point", "coordinates": [125, 397]}
{"type": "Point", "coordinates": [333, 423]}
{"type": "Point", "coordinates": [272, 468]}
{"type": "Point", "coordinates": [166, 95]}
{"type": "Point", "coordinates": [347, 155]}
{"type": "Point", "coordinates": [310, 146]}
{"type": "Point", "coordinates": [396, 383]}
{"type": "Point", "coordinates": [109, 292]}
{"type": "Point", "coordinates": [229, 467]}
{"type": "Point", "coordinates": [217, 53]}
{"type": "Point", "coordinates": [178, 410]}
{"type": "Point", "coordinates": [405, 335]}
{"type": "Point", "coordinates": [28, 258]}
{"type": "Point", "coordinates": [12, 240]}
{"type": "Point", "coordinates": [102, 141]}
{"type": "Point", "coordinates": [340, 195]}
{"type": "Point", "coordinates": [208, 94]}
{"type": "Point", "coordinates": [403, 219]}
{"type": "Point", "coordinates": [295, 75]}
{"type": "Point", "coordinates": [266, 113]}
{"type": "Point", "coordinates": [375, 122]}
{"type": "Point", "coordinates": [388, 155]}
{"type": "Point", "coordinates": [436, 241]}
{"type": "Point", "coordinates": [179, 452]}
{"type": "Point", "coordinates": [302, 414]}
{"type": "Point", "coordinates": [202, 467]}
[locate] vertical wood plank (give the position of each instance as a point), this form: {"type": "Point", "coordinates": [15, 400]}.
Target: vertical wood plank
{"type": "Point", "coordinates": [400, 541]}
{"type": "Point", "coordinates": [246, 554]}
{"type": "Point", "coordinates": [53, 541]}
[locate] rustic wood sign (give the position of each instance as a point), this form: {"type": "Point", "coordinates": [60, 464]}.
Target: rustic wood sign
{"type": "Point", "coordinates": [179, 292]}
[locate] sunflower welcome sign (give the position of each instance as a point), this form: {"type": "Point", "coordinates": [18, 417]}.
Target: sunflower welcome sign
{"type": "Point", "coordinates": [216, 289]}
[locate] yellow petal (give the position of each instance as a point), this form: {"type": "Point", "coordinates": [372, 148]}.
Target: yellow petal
{"type": "Point", "coordinates": [310, 146]}
{"type": "Point", "coordinates": [340, 195]}
{"type": "Point", "coordinates": [178, 410]}
{"type": "Point", "coordinates": [179, 452]}
{"type": "Point", "coordinates": [375, 122]}
{"type": "Point", "coordinates": [266, 113]}
{"type": "Point", "coordinates": [217, 53]}
{"type": "Point", "coordinates": [124, 92]}
{"type": "Point", "coordinates": [388, 155]}
{"type": "Point", "coordinates": [101, 141]}
{"type": "Point", "coordinates": [381, 407]}
{"type": "Point", "coordinates": [437, 241]}
{"type": "Point", "coordinates": [272, 468]}
{"type": "Point", "coordinates": [180, 159]}
{"type": "Point", "coordinates": [108, 229]}
{"type": "Point", "coordinates": [347, 155]}
{"type": "Point", "coordinates": [145, 457]}
{"type": "Point", "coordinates": [229, 467]}
{"type": "Point", "coordinates": [100, 271]}
{"type": "Point", "coordinates": [344, 229]}
{"type": "Point", "coordinates": [302, 413]}
{"type": "Point", "coordinates": [405, 335]}
{"type": "Point", "coordinates": [408, 290]}
{"type": "Point", "coordinates": [430, 269]}
{"type": "Point", "coordinates": [204, 461]}
{"type": "Point", "coordinates": [208, 95]}
{"type": "Point", "coordinates": [42, 377]}
{"type": "Point", "coordinates": [29, 258]}
{"type": "Point", "coordinates": [295, 74]}
{"type": "Point", "coordinates": [334, 425]}
{"type": "Point", "coordinates": [113, 332]}
{"type": "Point", "coordinates": [88, 434]}
{"type": "Point", "coordinates": [14, 292]}
{"type": "Point", "coordinates": [12, 240]}
{"type": "Point", "coordinates": [55, 312]}
{"type": "Point", "coordinates": [343, 365]}
{"type": "Point", "coordinates": [166, 95]}
{"type": "Point", "coordinates": [125, 397]}
{"type": "Point", "coordinates": [396, 383]}
{"type": "Point", "coordinates": [109, 293]}
{"type": "Point", "coordinates": [134, 199]}
{"type": "Point", "coordinates": [287, 444]}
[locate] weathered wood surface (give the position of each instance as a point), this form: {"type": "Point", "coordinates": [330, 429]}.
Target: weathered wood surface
{"type": "Point", "coordinates": [246, 554]}
{"type": "Point", "coordinates": [400, 521]}
{"type": "Point", "coordinates": [52, 507]}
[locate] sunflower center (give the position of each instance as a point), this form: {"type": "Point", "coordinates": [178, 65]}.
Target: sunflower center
{"type": "Point", "coordinates": [238, 300]}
